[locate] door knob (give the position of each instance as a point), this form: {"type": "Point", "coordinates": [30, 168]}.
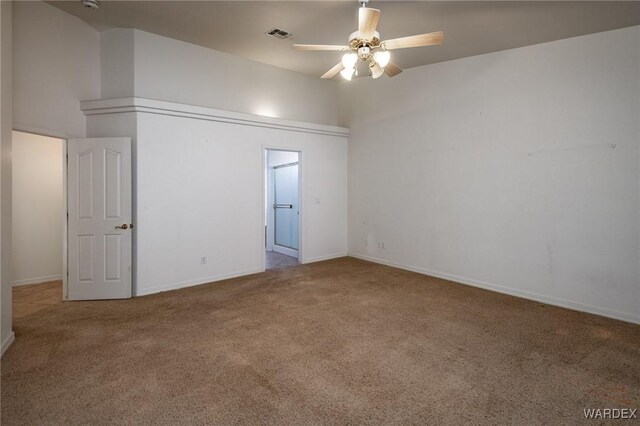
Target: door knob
{"type": "Point", "coordinates": [123, 226]}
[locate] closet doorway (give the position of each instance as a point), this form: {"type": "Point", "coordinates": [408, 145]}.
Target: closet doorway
{"type": "Point", "coordinates": [39, 222]}
{"type": "Point", "coordinates": [282, 209]}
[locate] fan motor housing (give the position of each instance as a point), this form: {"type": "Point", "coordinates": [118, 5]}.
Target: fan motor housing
{"type": "Point", "coordinates": [355, 42]}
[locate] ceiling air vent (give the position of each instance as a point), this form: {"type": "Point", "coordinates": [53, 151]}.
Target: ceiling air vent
{"type": "Point", "coordinates": [279, 34]}
{"type": "Point", "coordinates": [92, 4]}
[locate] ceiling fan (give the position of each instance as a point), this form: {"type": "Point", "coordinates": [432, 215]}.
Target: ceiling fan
{"type": "Point", "coordinates": [365, 45]}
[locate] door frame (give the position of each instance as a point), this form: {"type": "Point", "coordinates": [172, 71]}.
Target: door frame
{"type": "Point", "coordinates": [263, 226]}
{"type": "Point", "coordinates": [64, 218]}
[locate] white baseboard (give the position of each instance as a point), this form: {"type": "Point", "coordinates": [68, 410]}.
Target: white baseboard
{"type": "Point", "coordinates": [7, 342]}
{"type": "Point", "coordinates": [327, 257]}
{"type": "Point", "coordinates": [285, 250]}
{"type": "Point", "coordinates": [37, 280]}
{"type": "Point", "coordinates": [550, 300]}
{"type": "Point", "coordinates": [191, 283]}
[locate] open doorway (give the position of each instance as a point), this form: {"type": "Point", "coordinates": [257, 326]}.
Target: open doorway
{"type": "Point", "coordinates": [282, 208]}
{"type": "Point", "coordinates": [38, 224]}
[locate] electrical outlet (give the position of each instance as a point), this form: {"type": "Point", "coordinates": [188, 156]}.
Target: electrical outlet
{"type": "Point", "coordinates": [366, 242]}
{"type": "Point", "coordinates": [203, 260]}
{"type": "Point", "coordinates": [381, 245]}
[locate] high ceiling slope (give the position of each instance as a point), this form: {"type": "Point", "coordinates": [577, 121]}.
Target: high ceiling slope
{"type": "Point", "coordinates": [470, 28]}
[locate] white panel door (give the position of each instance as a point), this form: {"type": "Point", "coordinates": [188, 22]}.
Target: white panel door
{"type": "Point", "coordinates": [99, 228]}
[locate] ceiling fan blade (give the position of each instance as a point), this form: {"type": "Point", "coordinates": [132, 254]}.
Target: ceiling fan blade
{"type": "Point", "coordinates": [319, 47]}
{"type": "Point", "coordinates": [367, 22]}
{"type": "Point", "coordinates": [392, 69]}
{"type": "Point", "coordinates": [333, 71]}
{"type": "Point", "coordinates": [413, 41]}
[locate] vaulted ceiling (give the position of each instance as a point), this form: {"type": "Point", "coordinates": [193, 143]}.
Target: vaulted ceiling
{"type": "Point", "coordinates": [470, 28]}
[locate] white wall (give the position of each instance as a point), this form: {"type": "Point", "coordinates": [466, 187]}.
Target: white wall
{"type": "Point", "coordinates": [517, 171]}
{"type": "Point", "coordinates": [6, 330]}
{"type": "Point", "coordinates": [172, 70]}
{"type": "Point", "coordinates": [200, 188]}
{"type": "Point", "coordinates": [56, 64]}
{"type": "Point", "coordinates": [117, 63]}
{"type": "Point", "coordinates": [207, 198]}
{"type": "Point", "coordinates": [36, 249]}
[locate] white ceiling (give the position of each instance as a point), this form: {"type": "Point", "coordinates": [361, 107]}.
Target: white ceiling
{"type": "Point", "coordinates": [470, 28]}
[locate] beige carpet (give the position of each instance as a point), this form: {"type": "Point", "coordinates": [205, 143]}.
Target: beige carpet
{"type": "Point", "coordinates": [339, 342]}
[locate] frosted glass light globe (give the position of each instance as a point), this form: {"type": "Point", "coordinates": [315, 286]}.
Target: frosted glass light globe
{"type": "Point", "coordinates": [382, 57]}
{"type": "Point", "coordinates": [347, 73]}
{"type": "Point", "coordinates": [349, 60]}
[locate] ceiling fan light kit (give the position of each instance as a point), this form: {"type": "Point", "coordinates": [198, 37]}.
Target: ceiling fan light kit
{"type": "Point", "coordinates": [365, 45]}
{"type": "Point", "coordinates": [382, 57]}
{"type": "Point", "coordinates": [347, 73]}
{"type": "Point", "coordinates": [349, 60]}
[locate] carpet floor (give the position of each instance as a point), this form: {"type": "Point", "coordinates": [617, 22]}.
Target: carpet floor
{"type": "Point", "coordinates": [336, 342]}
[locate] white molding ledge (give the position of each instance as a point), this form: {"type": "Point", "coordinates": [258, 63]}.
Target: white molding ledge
{"type": "Point", "coordinates": [151, 106]}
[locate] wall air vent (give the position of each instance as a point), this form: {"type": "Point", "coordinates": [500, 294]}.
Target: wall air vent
{"type": "Point", "coordinates": [279, 34]}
